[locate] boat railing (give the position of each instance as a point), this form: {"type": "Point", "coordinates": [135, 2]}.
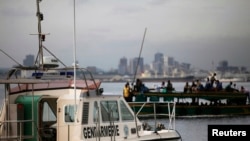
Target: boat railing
{"type": "Point", "coordinates": [53, 73]}
{"type": "Point", "coordinates": [170, 114]}
{"type": "Point", "coordinates": [14, 130]}
{"type": "Point", "coordinates": [84, 72]}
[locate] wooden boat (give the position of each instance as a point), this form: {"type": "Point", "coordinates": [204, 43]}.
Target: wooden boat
{"type": "Point", "coordinates": [59, 104]}
{"type": "Point", "coordinates": [203, 103]}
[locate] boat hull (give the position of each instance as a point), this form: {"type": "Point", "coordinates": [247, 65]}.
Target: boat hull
{"type": "Point", "coordinates": [193, 110]}
{"type": "Point", "coordinates": [193, 104]}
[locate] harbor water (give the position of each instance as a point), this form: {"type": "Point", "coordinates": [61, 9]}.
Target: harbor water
{"type": "Point", "coordinates": [190, 128]}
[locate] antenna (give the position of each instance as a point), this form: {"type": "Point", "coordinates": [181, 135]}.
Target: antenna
{"type": "Point", "coordinates": [74, 52]}
{"type": "Point", "coordinates": [40, 36]}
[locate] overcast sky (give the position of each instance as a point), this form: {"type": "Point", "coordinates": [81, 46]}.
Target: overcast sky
{"type": "Point", "coordinates": [193, 31]}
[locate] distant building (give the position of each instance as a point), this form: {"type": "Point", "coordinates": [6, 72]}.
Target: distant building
{"type": "Point", "coordinates": [170, 61]}
{"type": "Point", "coordinates": [135, 66]}
{"type": "Point", "coordinates": [158, 63]}
{"type": "Point", "coordinates": [224, 67]}
{"type": "Point", "coordinates": [185, 66]}
{"type": "Point", "coordinates": [123, 66]}
{"type": "Point", "coordinates": [92, 69]}
{"type": "Point", "coordinates": [29, 60]}
{"type": "Point", "coordinates": [159, 57]}
{"type": "Point", "coordinates": [169, 65]}
{"type": "Point", "coordinates": [161, 66]}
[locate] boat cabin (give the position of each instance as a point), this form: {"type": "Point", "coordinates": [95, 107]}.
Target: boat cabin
{"type": "Point", "coordinates": [106, 117]}
{"type": "Point", "coordinates": [59, 118]}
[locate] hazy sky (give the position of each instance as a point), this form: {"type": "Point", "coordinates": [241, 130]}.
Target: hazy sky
{"type": "Point", "coordinates": [194, 31]}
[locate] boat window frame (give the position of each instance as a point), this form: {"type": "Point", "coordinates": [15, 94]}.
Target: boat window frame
{"type": "Point", "coordinates": [47, 113]}
{"type": "Point", "coordinates": [69, 114]}
{"type": "Point", "coordinates": [124, 114]}
{"type": "Point", "coordinates": [96, 111]}
{"type": "Point", "coordinates": [106, 110]}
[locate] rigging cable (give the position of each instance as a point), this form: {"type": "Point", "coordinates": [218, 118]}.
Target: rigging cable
{"type": "Point", "coordinates": [10, 57]}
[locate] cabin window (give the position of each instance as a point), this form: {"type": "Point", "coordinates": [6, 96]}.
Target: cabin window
{"type": "Point", "coordinates": [125, 112]}
{"type": "Point", "coordinates": [48, 114]}
{"type": "Point", "coordinates": [96, 112]}
{"type": "Point", "coordinates": [69, 113]}
{"type": "Point", "coordinates": [109, 111]}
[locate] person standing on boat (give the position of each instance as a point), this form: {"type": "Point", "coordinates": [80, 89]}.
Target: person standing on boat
{"type": "Point", "coordinates": [213, 79]}
{"type": "Point", "coordinates": [163, 85]}
{"type": "Point", "coordinates": [170, 87]}
{"type": "Point", "coordinates": [199, 86]}
{"type": "Point", "coordinates": [138, 85]}
{"type": "Point", "coordinates": [187, 88]}
{"type": "Point", "coordinates": [219, 86]}
{"type": "Point", "coordinates": [243, 90]}
{"type": "Point", "coordinates": [193, 86]}
{"type": "Point", "coordinates": [229, 88]}
{"type": "Point", "coordinates": [235, 88]}
{"type": "Point", "coordinates": [127, 93]}
{"type": "Point", "coordinates": [208, 85]}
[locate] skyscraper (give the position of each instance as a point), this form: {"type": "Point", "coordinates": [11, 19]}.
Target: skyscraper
{"type": "Point", "coordinates": [123, 66]}
{"type": "Point", "coordinates": [136, 66]}
{"type": "Point", "coordinates": [158, 63]}
{"type": "Point", "coordinates": [29, 60]}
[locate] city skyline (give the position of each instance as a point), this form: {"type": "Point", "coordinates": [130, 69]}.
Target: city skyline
{"type": "Point", "coordinates": [199, 32]}
{"type": "Point", "coordinates": [158, 58]}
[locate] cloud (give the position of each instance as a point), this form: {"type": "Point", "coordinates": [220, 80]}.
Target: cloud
{"type": "Point", "coordinates": [108, 30]}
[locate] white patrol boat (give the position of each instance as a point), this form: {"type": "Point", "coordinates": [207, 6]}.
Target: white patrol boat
{"type": "Point", "coordinates": [47, 103]}
{"type": "Point", "coordinates": [51, 109]}
{"type": "Point", "coordinates": [61, 110]}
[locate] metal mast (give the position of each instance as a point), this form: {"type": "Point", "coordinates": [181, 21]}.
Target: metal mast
{"type": "Point", "coordinates": [41, 37]}
{"type": "Point", "coordinates": [139, 58]}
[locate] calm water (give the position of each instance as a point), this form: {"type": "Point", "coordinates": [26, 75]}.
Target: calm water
{"type": "Point", "coordinates": [191, 129]}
